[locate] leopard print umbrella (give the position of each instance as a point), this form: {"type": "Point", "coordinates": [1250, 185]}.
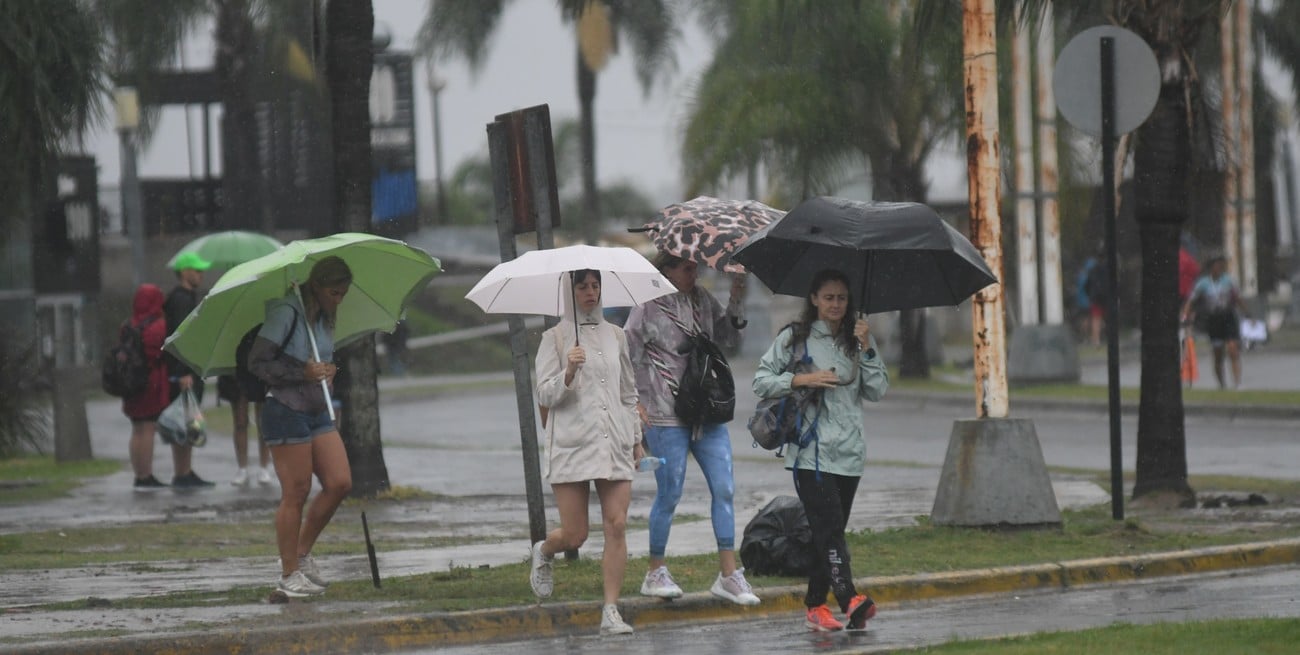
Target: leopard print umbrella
{"type": "Point", "coordinates": [707, 230]}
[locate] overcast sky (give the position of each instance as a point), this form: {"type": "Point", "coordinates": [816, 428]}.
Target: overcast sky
{"type": "Point", "coordinates": [530, 62]}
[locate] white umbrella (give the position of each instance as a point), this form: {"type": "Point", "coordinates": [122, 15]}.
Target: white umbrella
{"type": "Point", "coordinates": [537, 281]}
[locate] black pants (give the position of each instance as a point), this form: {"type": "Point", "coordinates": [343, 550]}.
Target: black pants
{"type": "Point", "coordinates": [827, 503]}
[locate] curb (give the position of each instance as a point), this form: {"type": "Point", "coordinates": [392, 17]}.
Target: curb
{"type": "Point", "coordinates": [1198, 410]}
{"type": "Point", "coordinates": [559, 619]}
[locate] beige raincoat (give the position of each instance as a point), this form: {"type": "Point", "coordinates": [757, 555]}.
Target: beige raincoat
{"type": "Point", "coordinates": [592, 425]}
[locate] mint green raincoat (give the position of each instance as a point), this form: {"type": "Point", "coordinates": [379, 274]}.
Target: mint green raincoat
{"type": "Point", "coordinates": [840, 446]}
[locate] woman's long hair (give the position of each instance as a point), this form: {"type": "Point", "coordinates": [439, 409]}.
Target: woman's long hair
{"type": "Point", "coordinates": [326, 274]}
{"type": "Point", "coordinates": [844, 335]}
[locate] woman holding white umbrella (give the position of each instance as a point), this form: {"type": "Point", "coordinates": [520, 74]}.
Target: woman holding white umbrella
{"type": "Point", "coordinates": [584, 377]}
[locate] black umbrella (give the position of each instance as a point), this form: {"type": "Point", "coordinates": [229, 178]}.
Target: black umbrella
{"type": "Point", "coordinates": [897, 255]}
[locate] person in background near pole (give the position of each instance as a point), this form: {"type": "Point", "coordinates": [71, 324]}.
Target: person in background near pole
{"type": "Point", "coordinates": [828, 469]}
{"type": "Point", "coordinates": [656, 339]}
{"type": "Point", "coordinates": [295, 419]}
{"type": "Point", "coordinates": [1188, 271]}
{"type": "Point", "coordinates": [182, 300]}
{"type": "Point", "coordinates": [1095, 288]}
{"type": "Point", "coordinates": [584, 378]}
{"type": "Point", "coordinates": [1081, 298]}
{"type": "Point", "coordinates": [228, 389]}
{"type": "Point", "coordinates": [1219, 298]}
{"type": "Point", "coordinates": [143, 409]}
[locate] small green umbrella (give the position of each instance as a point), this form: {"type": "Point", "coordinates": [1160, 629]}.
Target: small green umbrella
{"type": "Point", "coordinates": [386, 274]}
{"type": "Point", "coordinates": [229, 249]}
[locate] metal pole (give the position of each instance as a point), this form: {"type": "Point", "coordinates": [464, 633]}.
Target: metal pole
{"type": "Point", "coordinates": [1288, 166]}
{"type": "Point", "coordinates": [1050, 221]}
{"type": "Point", "coordinates": [1026, 204]}
{"type": "Point", "coordinates": [131, 206]}
{"type": "Point", "coordinates": [1112, 273]}
{"type": "Point", "coordinates": [435, 89]}
{"type": "Point", "coordinates": [979, 51]}
{"type": "Point", "coordinates": [499, 152]}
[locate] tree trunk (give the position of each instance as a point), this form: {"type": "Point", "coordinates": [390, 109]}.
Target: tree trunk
{"type": "Point", "coordinates": [1161, 191]}
{"type": "Point", "coordinates": [590, 192]}
{"type": "Point", "coordinates": [349, 58]}
{"type": "Point", "coordinates": [236, 71]}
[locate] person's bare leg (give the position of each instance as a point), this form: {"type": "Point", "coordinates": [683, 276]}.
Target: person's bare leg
{"type": "Point", "coordinates": [293, 467]}
{"type": "Point", "coordinates": [330, 462]}
{"type": "Point", "coordinates": [571, 499]}
{"type": "Point", "coordinates": [1218, 365]}
{"type": "Point", "coordinates": [239, 414]}
{"type": "Point", "coordinates": [1234, 357]}
{"type": "Point", "coordinates": [727, 562]}
{"type": "Point", "coordinates": [181, 458]}
{"type": "Point", "coordinates": [141, 448]}
{"type": "Point", "coordinates": [615, 496]}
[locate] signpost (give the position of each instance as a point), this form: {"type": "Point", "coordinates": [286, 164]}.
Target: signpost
{"type": "Point", "coordinates": [1107, 82]}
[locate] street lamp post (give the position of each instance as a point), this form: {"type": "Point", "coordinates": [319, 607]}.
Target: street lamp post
{"type": "Point", "coordinates": [127, 105]}
{"type": "Point", "coordinates": [436, 85]}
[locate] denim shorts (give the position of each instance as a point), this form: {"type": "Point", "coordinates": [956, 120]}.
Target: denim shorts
{"type": "Point", "coordinates": [282, 426]}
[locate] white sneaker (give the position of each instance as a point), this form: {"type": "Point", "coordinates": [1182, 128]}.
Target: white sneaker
{"type": "Point", "coordinates": [734, 588]}
{"type": "Point", "coordinates": [540, 576]}
{"type": "Point", "coordinates": [264, 476]}
{"type": "Point", "coordinates": [611, 622]}
{"type": "Point", "coordinates": [296, 585]}
{"type": "Point", "coordinates": [659, 583]}
{"type": "Point", "coordinates": [307, 565]}
{"type": "Point", "coordinates": [241, 478]}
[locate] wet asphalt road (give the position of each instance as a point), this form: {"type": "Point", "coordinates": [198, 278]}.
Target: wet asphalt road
{"type": "Point", "coordinates": [1251, 594]}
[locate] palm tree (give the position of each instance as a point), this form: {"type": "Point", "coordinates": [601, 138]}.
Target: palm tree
{"type": "Point", "coordinates": [463, 27]}
{"type": "Point", "coordinates": [50, 89]}
{"type": "Point", "coordinates": [349, 57]}
{"type": "Point", "coordinates": [814, 91]}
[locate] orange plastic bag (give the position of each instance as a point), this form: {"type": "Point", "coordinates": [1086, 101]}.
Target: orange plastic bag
{"type": "Point", "coordinates": [1190, 369]}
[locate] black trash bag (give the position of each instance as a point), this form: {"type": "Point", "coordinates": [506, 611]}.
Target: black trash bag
{"type": "Point", "coordinates": [778, 540]}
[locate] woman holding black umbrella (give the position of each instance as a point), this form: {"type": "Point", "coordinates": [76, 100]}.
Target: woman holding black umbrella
{"type": "Point", "coordinates": [828, 464]}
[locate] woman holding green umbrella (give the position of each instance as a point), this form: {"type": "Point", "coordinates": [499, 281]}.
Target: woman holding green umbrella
{"type": "Point", "coordinates": [296, 421]}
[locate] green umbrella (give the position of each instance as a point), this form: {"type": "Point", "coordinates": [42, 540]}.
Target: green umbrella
{"type": "Point", "coordinates": [386, 274]}
{"type": "Point", "coordinates": [228, 249]}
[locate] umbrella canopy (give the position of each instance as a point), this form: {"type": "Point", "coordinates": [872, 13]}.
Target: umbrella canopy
{"type": "Point", "coordinates": [708, 230]}
{"type": "Point", "coordinates": [897, 255]}
{"type": "Point", "coordinates": [535, 282]}
{"type": "Point", "coordinates": [228, 249]}
{"type": "Point", "coordinates": [386, 274]}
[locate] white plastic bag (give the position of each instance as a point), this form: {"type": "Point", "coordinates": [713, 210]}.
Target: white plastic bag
{"type": "Point", "coordinates": [182, 422]}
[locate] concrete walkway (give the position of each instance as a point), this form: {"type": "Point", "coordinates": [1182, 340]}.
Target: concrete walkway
{"type": "Point", "coordinates": [461, 462]}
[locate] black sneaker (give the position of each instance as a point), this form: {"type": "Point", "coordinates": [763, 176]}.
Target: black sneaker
{"type": "Point", "coordinates": [149, 483]}
{"type": "Point", "coordinates": [191, 480]}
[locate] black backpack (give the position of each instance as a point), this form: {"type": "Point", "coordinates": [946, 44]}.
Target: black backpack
{"type": "Point", "coordinates": [253, 388]}
{"type": "Point", "coordinates": [125, 370]}
{"type": "Point", "coordinates": [706, 393]}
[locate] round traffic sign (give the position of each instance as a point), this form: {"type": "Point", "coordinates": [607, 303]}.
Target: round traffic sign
{"type": "Point", "coordinates": [1077, 80]}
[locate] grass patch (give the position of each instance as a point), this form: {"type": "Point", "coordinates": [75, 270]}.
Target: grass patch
{"type": "Point", "coordinates": [36, 478]}
{"type": "Point", "coordinates": [1262, 636]}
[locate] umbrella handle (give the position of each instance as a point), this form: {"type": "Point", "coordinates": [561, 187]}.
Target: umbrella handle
{"type": "Point", "coordinates": [315, 353]}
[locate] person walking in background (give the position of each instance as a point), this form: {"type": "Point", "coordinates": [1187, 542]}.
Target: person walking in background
{"type": "Point", "coordinates": [1218, 297]}
{"type": "Point", "coordinates": [143, 408]}
{"type": "Point", "coordinates": [657, 333]}
{"type": "Point", "coordinates": [295, 419]}
{"type": "Point", "coordinates": [229, 390]}
{"type": "Point", "coordinates": [1091, 297]}
{"type": "Point", "coordinates": [182, 300]}
{"type": "Point", "coordinates": [584, 378]}
{"type": "Point", "coordinates": [846, 370]}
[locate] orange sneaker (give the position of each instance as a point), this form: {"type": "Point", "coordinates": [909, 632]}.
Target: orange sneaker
{"type": "Point", "coordinates": [861, 608]}
{"type": "Point", "coordinates": [820, 619]}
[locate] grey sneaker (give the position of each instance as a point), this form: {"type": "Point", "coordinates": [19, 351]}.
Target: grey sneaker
{"type": "Point", "coordinates": [296, 585]}
{"type": "Point", "coordinates": [540, 575]}
{"type": "Point", "coordinates": [307, 564]}
{"type": "Point", "coordinates": [611, 622]}
{"type": "Point", "coordinates": [659, 583]}
{"type": "Point", "coordinates": [734, 588]}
